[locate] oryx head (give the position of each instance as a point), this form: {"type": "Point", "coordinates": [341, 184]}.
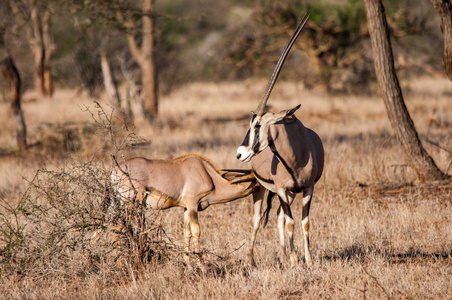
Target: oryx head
{"type": "Point", "coordinates": [256, 138]}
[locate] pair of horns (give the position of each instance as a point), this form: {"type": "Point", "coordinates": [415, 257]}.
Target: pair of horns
{"type": "Point", "coordinates": [282, 58]}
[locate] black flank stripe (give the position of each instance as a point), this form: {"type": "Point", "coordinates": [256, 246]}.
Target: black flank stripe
{"type": "Point", "coordinates": [275, 152]}
{"type": "Point", "coordinates": [259, 177]}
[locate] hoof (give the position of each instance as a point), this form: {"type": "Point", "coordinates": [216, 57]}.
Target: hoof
{"type": "Point", "coordinates": [249, 261]}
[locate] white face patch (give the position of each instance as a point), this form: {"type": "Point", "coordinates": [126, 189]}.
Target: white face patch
{"type": "Point", "coordinates": [254, 142]}
{"type": "Point", "coordinates": [244, 153]}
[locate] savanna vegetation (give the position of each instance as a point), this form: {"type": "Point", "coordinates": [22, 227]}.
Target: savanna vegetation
{"type": "Point", "coordinates": [377, 231]}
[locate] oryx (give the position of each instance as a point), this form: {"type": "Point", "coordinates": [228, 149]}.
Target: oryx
{"type": "Point", "coordinates": [190, 181]}
{"type": "Point", "coordinates": [286, 157]}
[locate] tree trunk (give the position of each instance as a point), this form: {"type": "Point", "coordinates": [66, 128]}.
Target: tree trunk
{"type": "Point", "coordinates": [40, 41]}
{"type": "Point", "coordinates": [399, 117]}
{"type": "Point", "coordinates": [132, 92]}
{"type": "Point", "coordinates": [41, 44]}
{"type": "Point", "coordinates": [112, 90]}
{"type": "Point", "coordinates": [12, 76]}
{"type": "Point", "coordinates": [144, 56]}
{"type": "Point", "coordinates": [444, 8]}
{"type": "Point", "coordinates": [49, 48]}
{"type": "Point", "coordinates": [149, 82]}
{"type": "Point", "coordinates": [37, 47]}
{"type": "Point", "coordinates": [149, 75]}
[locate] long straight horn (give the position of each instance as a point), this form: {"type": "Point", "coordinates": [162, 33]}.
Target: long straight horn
{"type": "Point", "coordinates": [282, 58]}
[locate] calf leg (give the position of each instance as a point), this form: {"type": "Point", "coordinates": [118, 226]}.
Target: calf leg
{"type": "Point", "coordinates": [192, 231]}
{"type": "Point", "coordinates": [194, 226]}
{"type": "Point", "coordinates": [187, 237]}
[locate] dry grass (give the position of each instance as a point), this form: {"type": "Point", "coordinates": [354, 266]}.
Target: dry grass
{"type": "Point", "coordinates": [376, 232]}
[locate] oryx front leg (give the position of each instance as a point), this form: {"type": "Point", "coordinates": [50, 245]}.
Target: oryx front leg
{"type": "Point", "coordinates": [289, 226]}
{"type": "Point", "coordinates": [307, 196]}
{"type": "Point", "coordinates": [282, 241]}
{"type": "Point", "coordinates": [258, 197]}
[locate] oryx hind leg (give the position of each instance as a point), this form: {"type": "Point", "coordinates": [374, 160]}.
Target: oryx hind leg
{"type": "Point", "coordinates": [307, 196]}
{"type": "Point", "coordinates": [258, 197]}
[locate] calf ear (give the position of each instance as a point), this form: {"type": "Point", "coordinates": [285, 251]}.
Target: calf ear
{"type": "Point", "coordinates": [285, 114]}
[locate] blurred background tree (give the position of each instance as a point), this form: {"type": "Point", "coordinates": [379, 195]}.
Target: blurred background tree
{"type": "Point", "coordinates": [214, 41]}
{"type": "Point", "coordinates": [444, 9]}
{"type": "Point", "coordinates": [34, 18]}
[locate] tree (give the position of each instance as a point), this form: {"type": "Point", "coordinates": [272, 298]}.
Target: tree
{"type": "Point", "coordinates": [112, 90]}
{"type": "Point", "coordinates": [136, 19]}
{"type": "Point", "coordinates": [12, 76]}
{"type": "Point", "coordinates": [145, 58]}
{"type": "Point", "coordinates": [444, 8]}
{"type": "Point", "coordinates": [399, 117]}
{"type": "Point", "coordinates": [36, 22]}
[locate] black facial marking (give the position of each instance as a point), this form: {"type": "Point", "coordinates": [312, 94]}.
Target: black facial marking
{"type": "Point", "coordinates": [246, 140]}
{"type": "Point", "coordinates": [256, 141]}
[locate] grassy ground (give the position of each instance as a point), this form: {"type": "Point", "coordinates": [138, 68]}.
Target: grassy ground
{"type": "Point", "coordinates": [375, 231]}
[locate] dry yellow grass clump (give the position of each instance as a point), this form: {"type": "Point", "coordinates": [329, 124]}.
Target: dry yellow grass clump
{"type": "Point", "coordinates": [376, 232]}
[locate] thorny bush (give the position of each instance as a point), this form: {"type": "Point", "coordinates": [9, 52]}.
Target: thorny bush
{"type": "Point", "coordinates": [70, 223]}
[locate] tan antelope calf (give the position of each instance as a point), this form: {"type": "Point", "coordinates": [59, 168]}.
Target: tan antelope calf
{"type": "Point", "coordinates": [286, 158]}
{"type": "Point", "coordinates": [190, 181]}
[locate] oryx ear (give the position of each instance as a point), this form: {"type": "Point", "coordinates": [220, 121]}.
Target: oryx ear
{"type": "Point", "coordinates": [290, 112]}
{"type": "Point", "coordinates": [285, 114]}
{"type": "Point", "coordinates": [253, 116]}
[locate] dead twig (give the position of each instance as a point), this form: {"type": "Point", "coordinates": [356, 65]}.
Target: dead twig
{"type": "Point", "coordinates": [376, 281]}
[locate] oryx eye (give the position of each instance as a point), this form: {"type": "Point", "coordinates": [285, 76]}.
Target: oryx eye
{"type": "Point", "coordinates": [257, 125]}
